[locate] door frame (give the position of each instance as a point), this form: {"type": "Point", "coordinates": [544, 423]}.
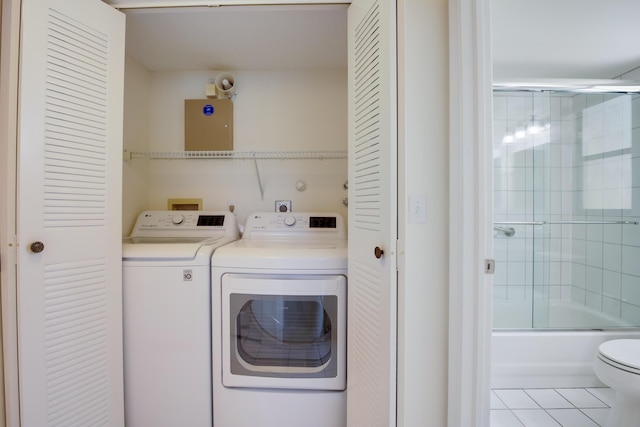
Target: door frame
{"type": "Point", "coordinates": [470, 215]}
{"type": "Point", "coordinates": [9, 52]}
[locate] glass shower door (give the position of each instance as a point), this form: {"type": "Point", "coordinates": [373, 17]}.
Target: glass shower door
{"type": "Point", "coordinates": [521, 156]}
{"type": "Point", "coordinates": [567, 240]}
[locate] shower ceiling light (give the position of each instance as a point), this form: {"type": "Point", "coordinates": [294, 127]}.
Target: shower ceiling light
{"type": "Point", "coordinates": [520, 132]}
{"type": "Point", "coordinates": [508, 138]}
{"type": "Point", "coordinates": [534, 127]}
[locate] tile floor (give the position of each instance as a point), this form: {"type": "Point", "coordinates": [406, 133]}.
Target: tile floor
{"type": "Point", "coordinates": [560, 407]}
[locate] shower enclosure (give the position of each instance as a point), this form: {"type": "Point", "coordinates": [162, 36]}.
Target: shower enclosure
{"type": "Point", "coordinates": [566, 209]}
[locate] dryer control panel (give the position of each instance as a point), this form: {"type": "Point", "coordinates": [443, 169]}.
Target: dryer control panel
{"type": "Point", "coordinates": [309, 225]}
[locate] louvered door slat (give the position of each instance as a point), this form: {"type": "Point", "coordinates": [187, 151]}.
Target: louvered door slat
{"type": "Point", "coordinates": [77, 72]}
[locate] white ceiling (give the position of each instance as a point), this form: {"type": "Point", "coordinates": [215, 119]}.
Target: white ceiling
{"type": "Point", "coordinates": [594, 39]}
{"type": "Point", "coordinates": [565, 38]}
{"type": "Point", "coordinates": [239, 37]}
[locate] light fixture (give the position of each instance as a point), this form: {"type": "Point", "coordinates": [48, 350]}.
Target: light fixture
{"type": "Point", "coordinates": [508, 138]}
{"type": "Point", "coordinates": [225, 85]}
{"type": "Point", "coordinates": [534, 127]}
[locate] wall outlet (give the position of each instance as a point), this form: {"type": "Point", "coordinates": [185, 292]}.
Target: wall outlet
{"type": "Point", "coordinates": [283, 205]}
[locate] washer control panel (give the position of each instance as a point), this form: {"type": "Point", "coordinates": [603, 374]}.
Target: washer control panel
{"type": "Point", "coordinates": [183, 219]}
{"type": "Point", "coordinates": [187, 223]}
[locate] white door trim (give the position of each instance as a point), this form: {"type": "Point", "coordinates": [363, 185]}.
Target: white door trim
{"type": "Point", "coordinates": [470, 212]}
{"type": "Point", "coordinates": [8, 119]}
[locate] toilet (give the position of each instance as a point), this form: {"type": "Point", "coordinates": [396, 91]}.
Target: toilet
{"type": "Point", "coordinates": [617, 364]}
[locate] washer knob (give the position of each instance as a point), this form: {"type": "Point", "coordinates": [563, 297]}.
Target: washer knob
{"type": "Point", "coordinates": [290, 221]}
{"type": "Point", "coordinates": [177, 219]}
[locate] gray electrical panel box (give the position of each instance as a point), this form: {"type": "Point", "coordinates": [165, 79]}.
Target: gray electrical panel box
{"type": "Point", "coordinates": [208, 125]}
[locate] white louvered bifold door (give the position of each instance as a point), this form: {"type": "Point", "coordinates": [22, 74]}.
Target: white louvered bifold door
{"type": "Point", "coordinates": [372, 317]}
{"type": "Point", "coordinates": [69, 199]}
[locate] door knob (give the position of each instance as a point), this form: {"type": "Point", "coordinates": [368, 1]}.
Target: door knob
{"type": "Point", "coordinates": [378, 252]}
{"type": "Point", "coordinates": [37, 247]}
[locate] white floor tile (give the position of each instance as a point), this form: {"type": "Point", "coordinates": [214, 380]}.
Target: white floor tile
{"type": "Point", "coordinates": [568, 407]}
{"type": "Point", "coordinates": [599, 415]}
{"type": "Point", "coordinates": [535, 418]}
{"type": "Point", "coordinates": [607, 395]}
{"type": "Point", "coordinates": [516, 399]}
{"type": "Point", "coordinates": [504, 418]}
{"type": "Point", "coordinates": [496, 403]}
{"type": "Point", "coordinates": [581, 398]}
{"type": "Point", "coordinates": [549, 398]}
{"type": "Point", "coordinates": [571, 418]}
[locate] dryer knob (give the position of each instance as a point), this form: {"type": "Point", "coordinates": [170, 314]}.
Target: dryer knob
{"type": "Point", "coordinates": [290, 221]}
{"type": "Point", "coordinates": [177, 219]}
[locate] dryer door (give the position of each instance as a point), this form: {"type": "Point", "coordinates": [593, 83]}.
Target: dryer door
{"type": "Point", "coordinates": [284, 331]}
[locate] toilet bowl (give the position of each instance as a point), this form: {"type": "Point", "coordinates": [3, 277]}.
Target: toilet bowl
{"type": "Point", "coordinates": [617, 364]}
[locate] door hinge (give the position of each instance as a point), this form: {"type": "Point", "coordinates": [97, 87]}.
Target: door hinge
{"type": "Point", "coordinates": [397, 255]}
{"type": "Point", "coordinates": [489, 266]}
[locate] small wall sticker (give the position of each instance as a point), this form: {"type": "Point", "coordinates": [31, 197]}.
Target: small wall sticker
{"type": "Point", "coordinates": [208, 110]}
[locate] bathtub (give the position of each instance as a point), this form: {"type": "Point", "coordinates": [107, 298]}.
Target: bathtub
{"type": "Point", "coordinates": [546, 358]}
{"type": "Point", "coordinates": [550, 314]}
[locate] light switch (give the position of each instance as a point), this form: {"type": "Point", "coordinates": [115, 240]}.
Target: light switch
{"type": "Point", "coordinates": [417, 209]}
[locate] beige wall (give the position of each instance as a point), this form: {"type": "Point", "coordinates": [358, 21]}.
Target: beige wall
{"type": "Point", "coordinates": [273, 111]}
{"type": "Point", "coordinates": [423, 172]}
{"type": "Point", "coordinates": [135, 138]}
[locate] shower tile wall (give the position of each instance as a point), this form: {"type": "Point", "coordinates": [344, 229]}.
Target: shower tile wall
{"type": "Point", "coordinates": [578, 163]}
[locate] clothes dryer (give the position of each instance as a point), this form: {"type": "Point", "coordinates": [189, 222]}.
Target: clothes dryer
{"type": "Point", "coordinates": [279, 342]}
{"type": "Point", "coordinates": [167, 316]}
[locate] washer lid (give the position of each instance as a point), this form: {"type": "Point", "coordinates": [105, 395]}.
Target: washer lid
{"type": "Point", "coordinates": [623, 351]}
{"type": "Point", "coordinates": [169, 248]}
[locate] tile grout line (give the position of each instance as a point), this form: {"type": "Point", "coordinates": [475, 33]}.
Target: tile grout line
{"type": "Point", "coordinates": [600, 400]}
{"type": "Point", "coordinates": [540, 407]}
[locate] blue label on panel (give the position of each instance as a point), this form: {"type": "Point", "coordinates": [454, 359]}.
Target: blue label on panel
{"type": "Point", "coordinates": [207, 110]}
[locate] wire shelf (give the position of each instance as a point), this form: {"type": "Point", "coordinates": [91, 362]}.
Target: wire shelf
{"type": "Point", "coordinates": [251, 155]}
{"type": "Point", "coordinates": [231, 155]}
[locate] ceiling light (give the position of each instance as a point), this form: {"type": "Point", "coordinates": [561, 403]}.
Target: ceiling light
{"type": "Point", "coordinates": [520, 132]}
{"type": "Point", "coordinates": [534, 127]}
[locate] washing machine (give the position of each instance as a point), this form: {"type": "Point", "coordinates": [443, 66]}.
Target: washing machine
{"type": "Point", "coordinates": [167, 316]}
{"type": "Point", "coordinates": [279, 298]}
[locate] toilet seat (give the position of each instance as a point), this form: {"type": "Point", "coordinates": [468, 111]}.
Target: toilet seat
{"type": "Point", "coordinates": [622, 354]}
